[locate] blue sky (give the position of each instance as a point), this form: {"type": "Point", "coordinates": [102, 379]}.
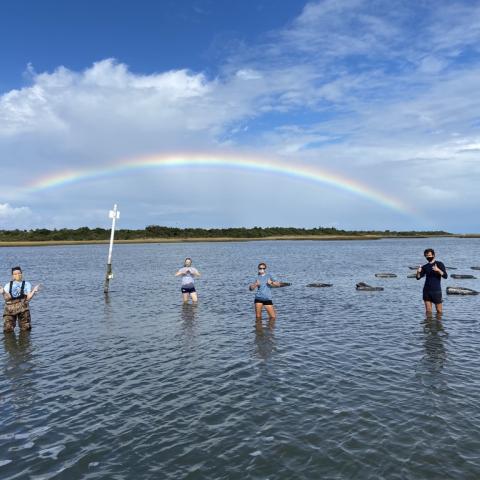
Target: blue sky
{"type": "Point", "coordinates": [385, 94]}
{"type": "Point", "coordinates": [149, 36]}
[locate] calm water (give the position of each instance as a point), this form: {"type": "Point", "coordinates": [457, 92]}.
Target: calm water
{"type": "Point", "coordinates": [346, 384]}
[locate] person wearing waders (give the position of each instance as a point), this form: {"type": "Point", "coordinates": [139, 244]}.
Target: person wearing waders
{"type": "Point", "coordinates": [17, 293]}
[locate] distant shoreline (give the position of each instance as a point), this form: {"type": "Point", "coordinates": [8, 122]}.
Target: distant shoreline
{"type": "Point", "coordinates": [50, 243]}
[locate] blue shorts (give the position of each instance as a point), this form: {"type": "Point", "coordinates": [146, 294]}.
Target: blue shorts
{"type": "Point", "coordinates": [188, 289]}
{"type": "Point", "coordinates": [434, 297]}
{"type": "Point", "coordinates": [264, 302]}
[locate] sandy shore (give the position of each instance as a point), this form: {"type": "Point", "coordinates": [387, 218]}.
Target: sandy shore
{"type": "Point", "coordinates": [217, 239]}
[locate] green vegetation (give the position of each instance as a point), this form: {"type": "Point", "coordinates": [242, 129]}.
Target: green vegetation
{"type": "Point", "coordinates": [160, 232]}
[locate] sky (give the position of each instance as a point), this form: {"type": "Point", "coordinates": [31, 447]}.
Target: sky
{"type": "Point", "coordinates": [220, 113]}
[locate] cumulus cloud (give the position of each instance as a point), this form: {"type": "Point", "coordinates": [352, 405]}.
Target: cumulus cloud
{"type": "Point", "coordinates": [14, 217]}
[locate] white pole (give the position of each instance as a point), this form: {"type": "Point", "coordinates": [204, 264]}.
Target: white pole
{"type": "Point", "coordinates": [113, 214]}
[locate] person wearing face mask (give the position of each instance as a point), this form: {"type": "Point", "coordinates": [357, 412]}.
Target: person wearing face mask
{"type": "Point", "coordinates": [188, 274]}
{"type": "Point", "coordinates": [433, 271]}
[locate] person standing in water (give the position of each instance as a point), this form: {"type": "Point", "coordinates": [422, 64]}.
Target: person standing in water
{"type": "Point", "coordinates": [263, 295]}
{"type": "Point", "coordinates": [433, 271]}
{"type": "Point", "coordinates": [188, 274]}
{"type": "Point", "coordinates": [17, 293]}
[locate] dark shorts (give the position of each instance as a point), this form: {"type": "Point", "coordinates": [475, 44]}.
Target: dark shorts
{"type": "Point", "coordinates": [434, 297]}
{"type": "Point", "coordinates": [264, 302]}
{"type": "Point", "coordinates": [188, 289]}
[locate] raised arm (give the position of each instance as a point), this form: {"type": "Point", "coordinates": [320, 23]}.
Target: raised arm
{"type": "Point", "coordinates": [33, 292]}
{"type": "Point", "coordinates": [5, 294]}
{"type": "Point", "coordinates": [272, 282]}
{"type": "Point", "coordinates": [440, 268]}
{"type": "Point", "coordinates": [420, 273]}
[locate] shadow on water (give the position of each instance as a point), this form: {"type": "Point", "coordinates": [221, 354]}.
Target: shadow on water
{"type": "Point", "coordinates": [265, 339]}
{"type": "Point", "coordinates": [434, 345]}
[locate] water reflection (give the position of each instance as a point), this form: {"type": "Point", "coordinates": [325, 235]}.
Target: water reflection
{"type": "Point", "coordinates": [108, 308]}
{"type": "Point", "coordinates": [107, 298]}
{"type": "Point", "coordinates": [189, 311]}
{"type": "Point", "coordinates": [434, 335]}
{"type": "Point", "coordinates": [19, 370]}
{"type": "Point", "coordinates": [265, 339]}
{"type": "Point", "coordinates": [19, 348]}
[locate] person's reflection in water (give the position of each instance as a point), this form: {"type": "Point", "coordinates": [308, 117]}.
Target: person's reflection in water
{"type": "Point", "coordinates": [265, 338]}
{"type": "Point", "coordinates": [189, 311]}
{"type": "Point", "coordinates": [435, 333]}
{"type": "Point", "coordinates": [19, 370]}
{"type": "Point", "coordinates": [19, 348]}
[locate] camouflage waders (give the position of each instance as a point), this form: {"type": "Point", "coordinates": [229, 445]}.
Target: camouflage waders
{"type": "Point", "coordinates": [16, 309]}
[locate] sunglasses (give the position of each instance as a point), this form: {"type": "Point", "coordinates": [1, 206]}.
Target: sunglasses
{"type": "Point", "coordinates": [261, 268]}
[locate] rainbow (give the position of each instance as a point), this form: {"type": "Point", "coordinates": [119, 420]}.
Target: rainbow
{"type": "Point", "coordinates": [221, 161]}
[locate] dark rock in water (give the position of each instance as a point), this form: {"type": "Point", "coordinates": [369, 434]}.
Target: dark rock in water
{"type": "Point", "coordinates": [475, 268]}
{"type": "Point", "coordinates": [385, 275]}
{"type": "Point", "coordinates": [413, 268]}
{"type": "Point", "coordinates": [365, 287]}
{"type": "Point", "coordinates": [461, 291]}
{"type": "Point", "coordinates": [282, 284]}
{"type": "Point", "coordinates": [320, 285]}
{"type": "Point", "coordinates": [454, 275]}
{"type": "Point", "coordinates": [451, 268]}
{"type": "Point", "coordinates": [412, 275]}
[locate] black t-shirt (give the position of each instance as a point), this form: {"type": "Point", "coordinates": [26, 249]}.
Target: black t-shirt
{"type": "Point", "coordinates": [432, 279]}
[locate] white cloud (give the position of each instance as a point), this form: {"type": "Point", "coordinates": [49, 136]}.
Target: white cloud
{"type": "Point", "coordinates": [14, 217]}
{"type": "Point", "coordinates": [8, 212]}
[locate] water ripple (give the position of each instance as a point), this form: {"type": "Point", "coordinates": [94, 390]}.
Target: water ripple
{"type": "Point", "coordinates": [344, 384]}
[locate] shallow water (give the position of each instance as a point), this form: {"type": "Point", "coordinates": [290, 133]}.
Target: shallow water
{"type": "Point", "coordinates": [346, 384]}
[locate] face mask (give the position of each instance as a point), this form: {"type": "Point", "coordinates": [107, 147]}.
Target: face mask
{"type": "Point", "coordinates": [429, 259]}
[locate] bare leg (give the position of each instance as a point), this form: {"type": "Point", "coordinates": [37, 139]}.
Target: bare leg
{"type": "Point", "coordinates": [185, 297]}
{"type": "Point", "coordinates": [439, 307]}
{"type": "Point", "coordinates": [271, 312]}
{"type": "Point", "coordinates": [258, 311]}
{"type": "Point", "coordinates": [428, 308]}
{"type": "Point", "coordinates": [194, 297]}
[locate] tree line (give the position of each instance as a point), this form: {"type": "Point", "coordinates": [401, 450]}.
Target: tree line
{"type": "Point", "coordinates": [163, 232]}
